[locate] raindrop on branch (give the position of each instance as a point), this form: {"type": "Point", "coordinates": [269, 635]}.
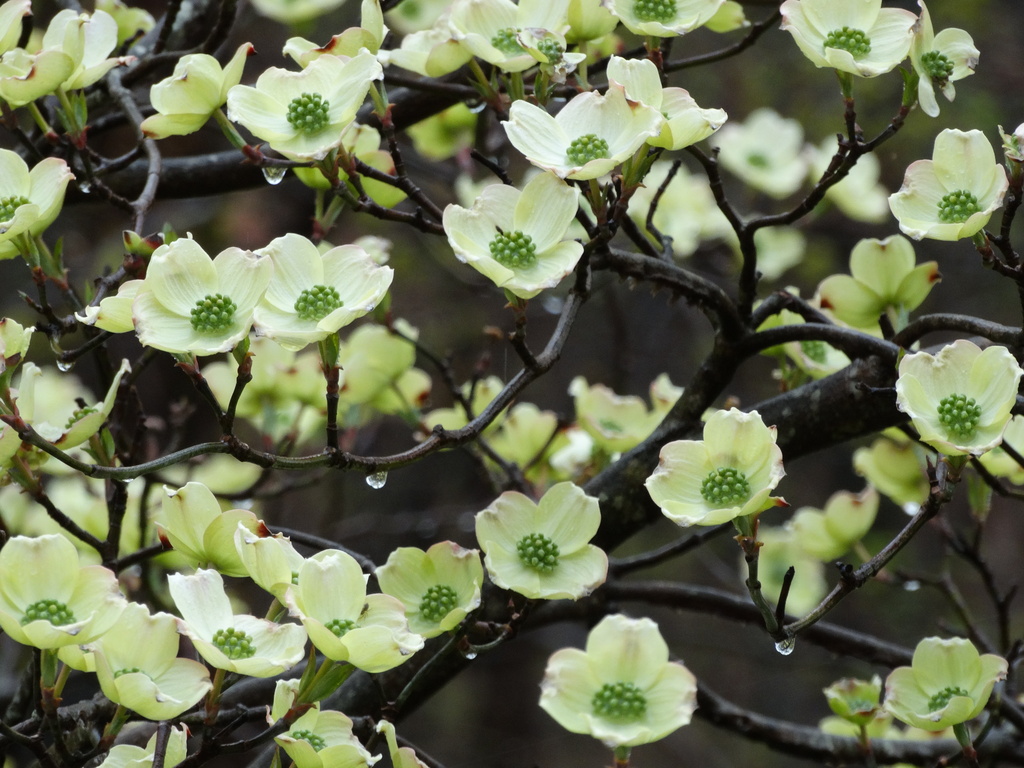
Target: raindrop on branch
{"type": "Point", "coordinates": [274, 175]}
{"type": "Point", "coordinates": [377, 480]}
{"type": "Point", "coordinates": [785, 647]}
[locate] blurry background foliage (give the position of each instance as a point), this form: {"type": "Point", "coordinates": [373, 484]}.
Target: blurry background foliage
{"type": "Point", "coordinates": [624, 338]}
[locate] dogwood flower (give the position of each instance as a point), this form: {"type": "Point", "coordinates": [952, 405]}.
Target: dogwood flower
{"type": "Point", "coordinates": [29, 200]}
{"type": "Point", "coordinates": [518, 238]}
{"type": "Point", "coordinates": [947, 683]}
{"type": "Point", "coordinates": [591, 135]}
{"type": "Point", "coordinates": [496, 30]}
{"type": "Point", "coordinates": [295, 11]}
{"type": "Point", "coordinates": [883, 279]}
{"type": "Point", "coordinates": [324, 739]}
{"type": "Point", "coordinates": [25, 77]}
{"type": "Point", "coordinates": [616, 422]}
{"type": "Point", "coordinates": [312, 295]}
{"type": "Point", "coordinates": [855, 36]}
{"type": "Point", "coordinates": [730, 473]}
{"type": "Point", "coordinates": [269, 558]}
{"type": "Point", "coordinates": [438, 587]}
{"type": "Point", "coordinates": [939, 60]}
{"type": "Point", "coordinates": [960, 399]}
{"type": "Point", "coordinates": [369, 35]}
{"type": "Point", "coordinates": [236, 643]}
{"type": "Point", "coordinates": [685, 122]}
{"type": "Point", "coordinates": [138, 667]}
{"type": "Point", "coordinates": [895, 466]}
{"type": "Point", "coordinates": [663, 18]}
{"type": "Point", "coordinates": [623, 689]}
{"type": "Point", "coordinates": [131, 22]}
{"type": "Point", "coordinates": [856, 701]}
{"type": "Point", "coordinates": [828, 533]}
{"type": "Point", "coordinates": [131, 756]}
{"type": "Point", "coordinates": [346, 624]}
{"type": "Point", "coordinates": [302, 114]}
{"type": "Point", "coordinates": [190, 303]}
{"type": "Point", "coordinates": [541, 550]}
{"type": "Point", "coordinates": [47, 600]}
{"type": "Point", "coordinates": [11, 14]}
{"type": "Point", "coordinates": [765, 151]}
{"type": "Point", "coordinates": [192, 522]}
{"type": "Point", "coordinates": [198, 87]}
{"type": "Point", "coordinates": [401, 757]}
{"type": "Point", "coordinates": [88, 39]}
{"type": "Point", "coordinates": [860, 195]}
{"type": "Point", "coordinates": [954, 194]}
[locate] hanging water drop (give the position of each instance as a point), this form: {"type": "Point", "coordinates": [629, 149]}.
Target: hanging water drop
{"type": "Point", "coordinates": [377, 480]}
{"type": "Point", "coordinates": [274, 175]}
{"type": "Point", "coordinates": [469, 655]}
{"type": "Point", "coordinates": [785, 646]}
{"type": "Point", "coordinates": [911, 585]}
{"type": "Point", "coordinates": [65, 365]}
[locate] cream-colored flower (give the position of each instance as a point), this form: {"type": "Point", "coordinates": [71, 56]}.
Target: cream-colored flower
{"type": "Point", "coordinates": [960, 399]}
{"type": "Point", "coordinates": [29, 199]}
{"type": "Point", "coordinates": [939, 60]}
{"type": "Point", "coordinates": [954, 194]}
{"type": "Point", "coordinates": [663, 18]}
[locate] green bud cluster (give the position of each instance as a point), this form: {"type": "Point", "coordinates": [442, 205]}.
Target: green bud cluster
{"type": "Point", "coordinates": [340, 626]}
{"type": "Point", "coordinates": [619, 701]}
{"type": "Point", "coordinates": [506, 42]}
{"type": "Point", "coordinates": [316, 303]}
{"type": "Point", "coordinates": [937, 65]}
{"type": "Point", "coordinates": [957, 207]}
{"type": "Point", "coordinates": [854, 41]}
{"type": "Point", "coordinates": [8, 205]}
{"type": "Point", "coordinates": [213, 313]}
{"type": "Point", "coordinates": [725, 487]}
{"type": "Point", "coordinates": [438, 602]}
{"type": "Point", "coordinates": [317, 742]}
{"type": "Point", "coordinates": [513, 250]}
{"type": "Point", "coordinates": [959, 414]}
{"type": "Point", "coordinates": [662, 11]}
{"type": "Point", "coordinates": [77, 416]}
{"type": "Point", "coordinates": [234, 644]}
{"type": "Point", "coordinates": [814, 349]}
{"type": "Point", "coordinates": [586, 148]}
{"type": "Point", "coordinates": [538, 552]}
{"type": "Point", "coordinates": [941, 699]}
{"type": "Point", "coordinates": [308, 113]}
{"type": "Point", "coordinates": [551, 50]}
{"type": "Point", "coordinates": [53, 611]}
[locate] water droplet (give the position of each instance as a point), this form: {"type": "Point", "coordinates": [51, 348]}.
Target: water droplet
{"type": "Point", "coordinates": [911, 585]}
{"type": "Point", "coordinates": [785, 647]}
{"type": "Point", "coordinates": [476, 107]}
{"type": "Point", "coordinates": [377, 480]}
{"type": "Point", "coordinates": [274, 175]}
{"type": "Point", "coordinates": [911, 508]}
{"type": "Point", "coordinates": [470, 655]}
{"type": "Point", "coordinates": [85, 187]}
{"type": "Point", "coordinates": [65, 365]}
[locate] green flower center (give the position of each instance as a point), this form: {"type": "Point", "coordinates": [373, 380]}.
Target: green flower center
{"type": "Point", "coordinates": [438, 602]}
{"type": "Point", "coordinates": [513, 250]}
{"type": "Point", "coordinates": [814, 349]}
{"type": "Point", "coordinates": [127, 671]}
{"type": "Point", "coordinates": [854, 41]}
{"type": "Point", "coordinates": [957, 207]}
{"type": "Point", "coordinates": [77, 416]}
{"type": "Point", "coordinates": [317, 742]}
{"type": "Point", "coordinates": [619, 701]}
{"type": "Point", "coordinates": [234, 644]}
{"type": "Point", "coordinates": [725, 487]}
{"type": "Point", "coordinates": [506, 42]}
{"type": "Point", "coordinates": [757, 160]}
{"type": "Point", "coordinates": [959, 414]}
{"type": "Point", "coordinates": [316, 303]}
{"type": "Point", "coordinates": [941, 699]}
{"type": "Point", "coordinates": [551, 49]}
{"type": "Point", "coordinates": [295, 577]}
{"type": "Point", "coordinates": [340, 626]}
{"type": "Point", "coordinates": [8, 205]}
{"type": "Point", "coordinates": [587, 148]}
{"type": "Point", "coordinates": [308, 113]}
{"type": "Point", "coordinates": [937, 65]}
{"type": "Point", "coordinates": [538, 552]}
{"type": "Point", "coordinates": [213, 313]}
{"type": "Point", "coordinates": [53, 611]}
{"type": "Point", "coordinates": [663, 11]}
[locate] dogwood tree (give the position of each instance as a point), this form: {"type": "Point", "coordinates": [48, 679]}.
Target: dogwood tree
{"type": "Point", "coordinates": [324, 429]}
